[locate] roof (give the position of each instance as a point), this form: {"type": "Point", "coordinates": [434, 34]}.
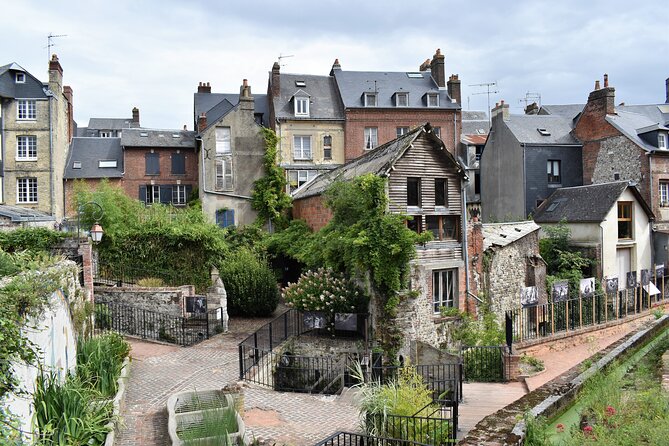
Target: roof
{"type": "Point", "coordinates": [474, 140]}
{"type": "Point", "coordinates": [110, 123]}
{"type": "Point", "coordinates": [630, 119]}
{"type": "Point", "coordinates": [352, 85]}
{"type": "Point", "coordinates": [568, 111]}
{"type": "Point", "coordinates": [19, 214]}
{"type": "Point", "coordinates": [475, 123]}
{"type": "Point", "coordinates": [501, 234]}
{"type": "Point", "coordinates": [158, 138]}
{"type": "Point", "coordinates": [583, 204]}
{"type": "Point", "coordinates": [324, 103]}
{"type": "Point", "coordinates": [87, 153]}
{"type": "Point", "coordinates": [377, 161]}
{"type": "Point", "coordinates": [557, 129]}
{"type": "Point", "coordinates": [32, 88]}
{"type": "Point", "coordinates": [217, 105]}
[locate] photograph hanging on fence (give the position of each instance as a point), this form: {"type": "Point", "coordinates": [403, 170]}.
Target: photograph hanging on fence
{"type": "Point", "coordinates": [346, 321]}
{"type": "Point", "coordinates": [313, 320]}
{"type": "Point", "coordinates": [560, 291]}
{"type": "Point", "coordinates": [529, 296]}
{"type": "Point", "coordinates": [196, 304]}
{"type": "Point", "coordinates": [587, 287]}
{"type": "Point", "coordinates": [645, 277]}
{"type": "Point", "coordinates": [611, 285]}
{"type": "Point", "coordinates": [631, 279]}
{"type": "Point", "coordinates": [659, 272]}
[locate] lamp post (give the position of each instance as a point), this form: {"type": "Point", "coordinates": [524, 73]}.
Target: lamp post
{"type": "Point", "coordinates": [96, 230]}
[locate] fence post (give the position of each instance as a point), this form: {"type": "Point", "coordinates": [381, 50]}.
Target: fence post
{"type": "Point", "coordinates": [606, 307]}
{"type": "Point", "coordinates": [241, 361]}
{"type": "Point", "coordinates": [580, 311]}
{"type": "Point", "coordinates": [536, 315]}
{"type": "Point", "coordinates": [285, 325]}
{"type": "Point", "coordinates": [552, 317]}
{"type": "Point", "coordinates": [567, 313]}
{"type": "Point", "coordinates": [270, 336]}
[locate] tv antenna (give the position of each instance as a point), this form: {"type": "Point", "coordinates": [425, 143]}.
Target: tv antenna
{"type": "Point", "coordinates": [281, 56]}
{"type": "Point", "coordinates": [531, 97]}
{"type": "Point", "coordinates": [49, 43]}
{"type": "Point", "coordinates": [487, 92]}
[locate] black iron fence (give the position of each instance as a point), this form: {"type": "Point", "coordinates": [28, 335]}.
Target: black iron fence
{"type": "Point", "coordinates": [121, 275]}
{"type": "Point", "coordinates": [444, 380]}
{"type": "Point", "coordinates": [484, 363]}
{"type": "Point", "coordinates": [537, 321]}
{"type": "Point", "coordinates": [433, 425]}
{"type": "Point", "coordinates": [157, 326]}
{"type": "Point", "coordinates": [353, 439]}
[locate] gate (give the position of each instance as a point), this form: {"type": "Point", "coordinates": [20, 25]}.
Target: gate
{"type": "Point", "coordinates": [484, 363]}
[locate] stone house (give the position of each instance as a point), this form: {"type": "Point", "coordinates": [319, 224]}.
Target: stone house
{"type": "Point", "coordinates": [425, 181]}
{"type": "Point", "coordinates": [306, 113]}
{"type": "Point", "coordinates": [525, 159]}
{"type": "Point", "coordinates": [36, 130]}
{"type": "Point", "coordinates": [231, 148]}
{"type": "Point", "coordinates": [610, 220]}
{"type": "Point", "coordinates": [380, 106]}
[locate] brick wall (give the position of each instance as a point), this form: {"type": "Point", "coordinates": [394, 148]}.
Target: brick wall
{"type": "Point", "coordinates": [313, 211]}
{"type": "Point", "coordinates": [134, 163]}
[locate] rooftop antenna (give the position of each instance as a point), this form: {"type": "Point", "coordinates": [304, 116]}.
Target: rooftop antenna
{"type": "Point", "coordinates": [49, 43]}
{"type": "Point", "coordinates": [487, 92]}
{"type": "Point", "coordinates": [281, 56]}
{"type": "Point", "coordinates": [531, 97]}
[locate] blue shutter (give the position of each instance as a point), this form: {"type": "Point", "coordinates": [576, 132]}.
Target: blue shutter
{"type": "Point", "coordinates": [165, 194]}
{"type": "Point", "coordinates": [225, 218]}
{"type": "Point", "coordinates": [142, 194]}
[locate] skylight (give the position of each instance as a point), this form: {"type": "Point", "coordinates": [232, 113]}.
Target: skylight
{"type": "Point", "coordinates": [414, 75]}
{"type": "Point", "coordinates": [76, 165]}
{"type": "Point", "coordinates": [544, 132]}
{"type": "Point", "coordinates": [107, 163]}
{"type": "Point", "coordinates": [300, 84]}
{"type": "Point", "coordinates": [553, 206]}
{"type": "Point", "coordinates": [144, 134]}
{"type": "Point", "coordinates": [175, 135]}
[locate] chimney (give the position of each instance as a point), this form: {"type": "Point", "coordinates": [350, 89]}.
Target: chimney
{"type": "Point", "coordinates": [246, 101]}
{"type": "Point", "coordinates": [135, 117]}
{"type": "Point", "coordinates": [69, 96]}
{"type": "Point", "coordinates": [425, 65]}
{"type": "Point", "coordinates": [666, 89]}
{"type": "Point", "coordinates": [601, 101]}
{"type": "Point", "coordinates": [501, 109]}
{"type": "Point", "coordinates": [454, 88]}
{"type": "Point", "coordinates": [204, 87]}
{"type": "Point", "coordinates": [201, 122]}
{"type": "Point", "coordinates": [276, 80]}
{"type": "Point", "coordinates": [437, 68]}
{"type": "Point", "coordinates": [335, 67]}
{"type": "Point", "coordinates": [185, 127]}
{"type": "Point", "coordinates": [532, 109]}
{"type": "Point", "coordinates": [55, 75]}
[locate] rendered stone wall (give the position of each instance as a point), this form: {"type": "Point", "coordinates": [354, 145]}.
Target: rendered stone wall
{"type": "Point", "coordinates": [162, 300]}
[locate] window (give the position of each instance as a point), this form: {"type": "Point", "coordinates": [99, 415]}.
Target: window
{"type": "Point", "coordinates": [76, 165]}
{"type": "Point", "coordinates": [553, 169]}
{"type": "Point", "coordinates": [370, 99]}
{"type": "Point", "coordinates": [299, 83]}
{"type": "Point", "coordinates": [223, 140]}
{"type": "Point", "coordinates": [440, 192]}
{"type": "Point", "coordinates": [327, 147]}
{"type": "Point", "coordinates": [402, 131]}
{"type": "Point", "coordinates": [20, 78]}
{"type": "Point", "coordinates": [178, 164]}
{"type": "Point", "coordinates": [26, 148]}
{"type": "Point", "coordinates": [152, 194]}
{"type": "Point", "coordinates": [664, 193]}
{"type": "Point", "coordinates": [105, 134]}
{"type": "Point", "coordinates": [302, 147]}
{"type": "Point", "coordinates": [479, 152]}
{"type": "Point", "coordinates": [443, 227]}
{"type": "Point", "coordinates": [625, 223]}
{"type": "Point", "coordinates": [224, 174]}
{"type": "Point", "coordinates": [297, 178]}
{"type": "Point", "coordinates": [413, 192]}
{"type": "Point", "coordinates": [433, 100]}
{"type": "Point", "coordinates": [152, 163]}
{"type": "Point", "coordinates": [477, 183]}
{"type": "Point", "coordinates": [178, 194]}
{"type": "Point", "coordinates": [662, 141]}
{"type": "Point", "coordinates": [371, 137]}
{"type": "Point", "coordinates": [302, 106]}
{"type": "Point", "coordinates": [107, 163]}
{"type": "Point", "coordinates": [444, 289]}
{"type": "Point", "coordinates": [401, 99]}
{"type": "Point", "coordinates": [416, 223]}
{"type": "Point", "coordinates": [26, 109]}
{"type": "Point", "coordinates": [225, 217]}
{"type": "Point", "coordinates": [26, 190]}
{"type": "Point", "coordinates": [437, 131]}
{"type": "Point", "coordinates": [542, 131]}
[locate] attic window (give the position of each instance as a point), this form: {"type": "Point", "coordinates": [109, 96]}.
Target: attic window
{"type": "Point", "coordinates": [370, 99]}
{"type": "Point", "coordinates": [144, 134]}
{"type": "Point", "coordinates": [433, 100]}
{"type": "Point", "coordinates": [20, 78]}
{"type": "Point", "coordinates": [300, 84]}
{"type": "Point", "coordinates": [480, 131]}
{"type": "Point", "coordinates": [401, 99]}
{"type": "Point", "coordinates": [76, 165]}
{"type": "Point", "coordinates": [662, 141]}
{"type": "Point", "coordinates": [415, 75]}
{"type": "Point", "coordinates": [544, 132]}
{"type": "Point", "coordinates": [107, 163]}
{"type": "Point", "coordinates": [175, 135]}
{"type": "Point", "coordinates": [553, 206]}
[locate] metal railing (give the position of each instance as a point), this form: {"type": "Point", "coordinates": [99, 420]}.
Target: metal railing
{"type": "Point", "coordinates": [436, 427]}
{"type": "Point", "coordinates": [120, 275]}
{"type": "Point", "coordinates": [484, 363]}
{"type": "Point", "coordinates": [354, 439]}
{"type": "Point", "coordinates": [444, 380]}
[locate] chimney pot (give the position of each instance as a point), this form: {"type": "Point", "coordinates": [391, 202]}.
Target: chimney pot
{"type": "Point", "coordinates": [606, 81]}
{"type": "Point", "coordinates": [245, 83]}
{"type": "Point", "coordinates": [135, 117]}
{"type": "Point", "coordinates": [204, 87]}
{"type": "Point", "coordinates": [185, 127]}
{"type": "Point", "coordinates": [597, 87]}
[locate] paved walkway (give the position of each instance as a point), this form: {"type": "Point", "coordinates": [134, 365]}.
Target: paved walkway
{"type": "Point", "coordinates": [483, 399]}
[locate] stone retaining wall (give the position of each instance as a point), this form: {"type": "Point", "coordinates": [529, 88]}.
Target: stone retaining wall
{"type": "Point", "coordinates": [163, 300]}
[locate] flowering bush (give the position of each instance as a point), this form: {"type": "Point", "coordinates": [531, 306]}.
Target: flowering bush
{"type": "Point", "coordinates": [327, 291]}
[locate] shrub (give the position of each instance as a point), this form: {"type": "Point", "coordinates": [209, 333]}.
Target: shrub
{"type": "Point", "coordinates": [250, 284]}
{"type": "Point", "coordinates": [151, 282]}
{"type": "Point", "coordinates": [327, 291]}
{"type": "Point", "coordinates": [100, 360]}
{"type": "Point", "coordinates": [30, 239]}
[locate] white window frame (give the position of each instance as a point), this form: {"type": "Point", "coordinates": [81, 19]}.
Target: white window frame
{"type": "Point", "coordinates": [664, 193]}
{"type": "Point", "coordinates": [371, 99]}
{"type": "Point", "coordinates": [404, 102]}
{"type": "Point", "coordinates": [26, 110]}
{"type": "Point", "coordinates": [300, 151]}
{"type": "Point", "coordinates": [551, 171]}
{"type": "Point", "coordinates": [301, 106]}
{"type": "Point", "coordinates": [106, 164]}
{"type": "Point", "coordinates": [105, 134]}
{"type": "Point", "coordinates": [327, 147]}
{"type": "Point", "coordinates": [297, 178]}
{"type": "Point", "coordinates": [152, 193]}
{"type": "Point", "coordinates": [433, 100]}
{"type": "Point", "coordinates": [371, 137]}
{"type": "Point", "coordinates": [26, 190]}
{"type": "Point", "coordinates": [224, 178]}
{"type": "Point", "coordinates": [26, 148]}
{"type": "Point", "coordinates": [223, 141]}
{"type": "Point", "coordinates": [179, 194]}
{"type": "Point", "coordinates": [400, 131]}
{"type": "Point", "coordinates": [444, 289]}
{"type": "Point", "coordinates": [20, 78]}
{"type": "Point", "coordinates": [662, 141]}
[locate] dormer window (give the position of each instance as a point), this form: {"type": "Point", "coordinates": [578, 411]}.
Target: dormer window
{"type": "Point", "coordinates": [662, 141]}
{"type": "Point", "coordinates": [370, 99]}
{"type": "Point", "coordinates": [20, 78]}
{"type": "Point", "coordinates": [301, 106]}
{"type": "Point", "coordinates": [401, 99]}
{"type": "Point", "coordinates": [433, 100]}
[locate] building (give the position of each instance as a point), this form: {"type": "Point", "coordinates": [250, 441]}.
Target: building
{"type": "Point", "coordinates": [231, 152]}
{"type": "Point", "coordinates": [425, 181]}
{"type": "Point", "coordinates": [525, 159]}
{"type": "Point", "coordinates": [381, 106]}
{"type": "Point", "coordinates": [610, 220]}
{"type": "Point", "coordinates": [307, 115]}
{"type": "Point", "coordinates": [475, 126]}
{"type": "Point", "coordinates": [109, 127]}
{"type": "Point", "coordinates": [36, 130]}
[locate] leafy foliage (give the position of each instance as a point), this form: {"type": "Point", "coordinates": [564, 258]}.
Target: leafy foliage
{"type": "Point", "coordinates": [485, 330]}
{"type": "Point", "coordinates": [30, 239]}
{"type": "Point", "coordinates": [100, 360]}
{"type": "Point", "coordinates": [250, 284]}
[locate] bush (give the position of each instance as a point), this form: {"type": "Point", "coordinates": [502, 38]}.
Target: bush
{"type": "Point", "coordinates": [327, 291]}
{"type": "Point", "coordinates": [151, 282]}
{"type": "Point", "coordinates": [250, 285]}
{"type": "Point", "coordinates": [30, 239]}
{"type": "Point", "coordinates": [100, 360]}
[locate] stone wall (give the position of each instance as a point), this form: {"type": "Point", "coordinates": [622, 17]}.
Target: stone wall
{"type": "Point", "coordinates": [162, 300]}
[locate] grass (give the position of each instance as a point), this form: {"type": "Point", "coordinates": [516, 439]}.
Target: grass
{"type": "Point", "coordinates": [100, 360]}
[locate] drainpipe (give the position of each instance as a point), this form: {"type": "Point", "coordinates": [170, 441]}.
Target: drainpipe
{"type": "Point", "coordinates": [653, 260]}
{"type": "Point", "coordinates": [464, 241]}
{"type": "Point", "coordinates": [455, 134]}
{"type": "Point", "coordinates": [51, 188]}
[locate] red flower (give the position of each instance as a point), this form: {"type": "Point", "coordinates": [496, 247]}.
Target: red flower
{"type": "Point", "coordinates": [610, 410]}
{"type": "Point", "coordinates": [560, 427]}
{"type": "Point", "coordinates": [587, 430]}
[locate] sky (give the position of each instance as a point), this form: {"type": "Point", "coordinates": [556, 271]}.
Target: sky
{"type": "Point", "coordinates": [152, 54]}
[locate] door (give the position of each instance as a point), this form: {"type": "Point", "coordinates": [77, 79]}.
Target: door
{"type": "Point", "coordinates": [624, 259]}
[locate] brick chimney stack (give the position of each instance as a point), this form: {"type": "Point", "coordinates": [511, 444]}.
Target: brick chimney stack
{"type": "Point", "coordinates": [532, 109]}
{"type": "Point", "coordinates": [135, 117]}
{"type": "Point", "coordinates": [601, 101]}
{"type": "Point", "coordinates": [437, 68]}
{"type": "Point", "coordinates": [501, 109]}
{"type": "Point", "coordinates": [276, 80]}
{"type": "Point", "coordinates": [201, 122]}
{"type": "Point", "coordinates": [204, 87]}
{"type": "Point", "coordinates": [335, 67]}
{"type": "Point", "coordinates": [666, 89]}
{"type": "Point", "coordinates": [55, 75]}
{"type": "Point", "coordinates": [454, 88]}
{"type": "Point", "coordinates": [246, 101]}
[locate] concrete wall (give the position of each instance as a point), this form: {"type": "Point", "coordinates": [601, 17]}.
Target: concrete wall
{"type": "Point", "coordinates": [163, 300]}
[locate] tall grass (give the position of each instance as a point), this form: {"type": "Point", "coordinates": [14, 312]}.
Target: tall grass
{"type": "Point", "coordinates": [100, 360]}
{"type": "Point", "coordinates": [210, 423]}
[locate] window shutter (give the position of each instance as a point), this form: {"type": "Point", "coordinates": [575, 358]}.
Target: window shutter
{"type": "Point", "coordinates": [230, 220]}
{"type": "Point", "coordinates": [189, 190]}
{"type": "Point", "coordinates": [142, 193]}
{"type": "Point", "coordinates": [165, 194]}
{"type": "Point", "coordinates": [178, 164]}
{"type": "Point", "coordinates": [152, 164]}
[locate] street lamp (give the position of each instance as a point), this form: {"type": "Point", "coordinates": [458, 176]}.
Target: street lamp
{"type": "Point", "coordinates": [96, 230]}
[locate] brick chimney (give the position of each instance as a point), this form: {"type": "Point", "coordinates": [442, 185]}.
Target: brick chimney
{"type": "Point", "coordinates": [335, 67]}
{"type": "Point", "coordinates": [135, 117]}
{"type": "Point", "coordinates": [601, 101]}
{"type": "Point", "coordinates": [204, 87]}
{"type": "Point", "coordinates": [501, 109]}
{"type": "Point", "coordinates": [666, 89]}
{"type": "Point", "coordinates": [425, 65]}
{"type": "Point", "coordinates": [201, 122]}
{"type": "Point", "coordinates": [55, 75]}
{"type": "Point", "coordinates": [275, 80]}
{"type": "Point", "coordinates": [69, 96]}
{"type": "Point", "coordinates": [246, 101]}
{"type": "Point", "coordinates": [437, 68]}
{"type": "Point", "coordinates": [454, 88]}
{"type": "Point", "coordinates": [532, 109]}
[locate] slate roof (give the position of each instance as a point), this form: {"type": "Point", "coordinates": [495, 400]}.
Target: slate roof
{"type": "Point", "coordinates": [109, 123]}
{"type": "Point", "coordinates": [475, 123]}
{"type": "Point", "coordinates": [568, 111]}
{"type": "Point", "coordinates": [377, 161]}
{"type": "Point", "coordinates": [643, 117]}
{"type": "Point", "coordinates": [324, 102]}
{"type": "Point", "coordinates": [158, 138]}
{"type": "Point", "coordinates": [524, 128]}
{"type": "Point", "coordinates": [502, 234]}
{"type": "Point", "coordinates": [32, 88]}
{"type": "Point", "coordinates": [352, 85]}
{"type": "Point", "coordinates": [89, 152]}
{"type": "Point", "coordinates": [583, 204]}
{"type": "Point", "coordinates": [19, 214]}
{"type": "Point", "coordinates": [217, 105]}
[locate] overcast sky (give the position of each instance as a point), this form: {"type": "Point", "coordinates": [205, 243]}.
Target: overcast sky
{"type": "Point", "coordinates": [152, 54]}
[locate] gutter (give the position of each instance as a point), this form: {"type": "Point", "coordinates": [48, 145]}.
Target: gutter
{"type": "Point", "coordinates": [51, 185]}
{"type": "Point", "coordinates": [2, 151]}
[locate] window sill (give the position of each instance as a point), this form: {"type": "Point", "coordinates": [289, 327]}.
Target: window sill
{"type": "Point", "coordinates": [303, 159]}
{"type": "Point", "coordinates": [438, 319]}
{"type": "Point", "coordinates": [25, 159]}
{"type": "Point", "coordinates": [26, 120]}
